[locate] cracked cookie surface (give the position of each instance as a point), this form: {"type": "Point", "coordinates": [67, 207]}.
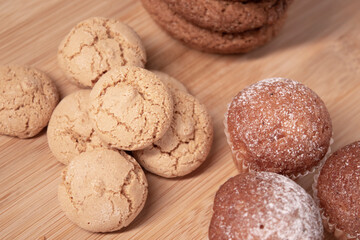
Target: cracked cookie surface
{"type": "Point", "coordinates": [103, 190]}
{"type": "Point", "coordinates": [96, 45]}
{"type": "Point", "coordinates": [70, 132]}
{"type": "Point", "coordinates": [27, 99]}
{"type": "Point", "coordinates": [185, 145]}
{"type": "Point", "coordinates": [170, 82]}
{"type": "Point", "coordinates": [130, 108]}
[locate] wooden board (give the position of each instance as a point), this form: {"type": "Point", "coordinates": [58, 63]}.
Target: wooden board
{"type": "Point", "coordinates": [319, 46]}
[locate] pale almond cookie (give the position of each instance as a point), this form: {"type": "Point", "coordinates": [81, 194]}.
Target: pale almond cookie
{"type": "Point", "coordinates": [27, 99]}
{"type": "Point", "coordinates": [103, 190]}
{"type": "Point", "coordinates": [70, 131]}
{"type": "Point", "coordinates": [130, 108]}
{"type": "Point", "coordinates": [185, 145]}
{"type": "Point", "coordinates": [170, 82]}
{"type": "Point", "coordinates": [96, 45]}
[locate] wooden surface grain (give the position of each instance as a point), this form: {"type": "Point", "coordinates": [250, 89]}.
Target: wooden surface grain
{"type": "Point", "coordinates": [319, 46]}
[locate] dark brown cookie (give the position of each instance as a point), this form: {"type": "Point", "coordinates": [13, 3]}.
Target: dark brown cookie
{"type": "Point", "coordinates": [244, 1]}
{"type": "Point", "coordinates": [206, 40]}
{"type": "Point", "coordinates": [264, 206]}
{"type": "Point", "coordinates": [229, 17]}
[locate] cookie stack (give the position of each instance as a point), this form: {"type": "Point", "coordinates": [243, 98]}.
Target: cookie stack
{"type": "Point", "coordinates": [129, 108]}
{"type": "Point", "coordinates": [235, 26]}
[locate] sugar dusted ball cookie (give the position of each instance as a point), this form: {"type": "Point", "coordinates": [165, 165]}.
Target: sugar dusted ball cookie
{"type": "Point", "coordinates": [27, 99]}
{"type": "Point", "coordinates": [102, 190]}
{"type": "Point", "coordinates": [70, 131]}
{"type": "Point", "coordinates": [278, 125]}
{"type": "Point", "coordinates": [96, 45]}
{"type": "Point", "coordinates": [264, 206]}
{"type": "Point", "coordinates": [337, 188]}
{"type": "Point", "coordinates": [186, 144]}
{"type": "Point", "coordinates": [130, 108]}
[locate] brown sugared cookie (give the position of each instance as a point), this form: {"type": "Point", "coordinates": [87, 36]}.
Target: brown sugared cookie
{"type": "Point", "coordinates": [278, 125]}
{"type": "Point", "coordinates": [206, 40]}
{"type": "Point", "coordinates": [338, 191]}
{"type": "Point", "coordinates": [229, 17]}
{"type": "Point", "coordinates": [264, 206]}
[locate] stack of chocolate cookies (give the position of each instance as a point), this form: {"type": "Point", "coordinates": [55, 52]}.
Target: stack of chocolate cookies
{"type": "Point", "coordinates": [232, 26]}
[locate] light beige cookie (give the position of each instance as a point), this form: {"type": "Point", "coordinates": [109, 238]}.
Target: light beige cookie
{"type": "Point", "coordinates": [70, 131]}
{"type": "Point", "coordinates": [96, 45]}
{"type": "Point", "coordinates": [27, 99]}
{"type": "Point", "coordinates": [103, 190]}
{"type": "Point", "coordinates": [185, 145]}
{"type": "Point", "coordinates": [130, 108]}
{"type": "Point", "coordinates": [170, 82]}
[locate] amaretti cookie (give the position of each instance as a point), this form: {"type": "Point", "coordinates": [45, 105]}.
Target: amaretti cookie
{"type": "Point", "coordinates": [170, 82]}
{"type": "Point", "coordinates": [130, 108]}
{"type": "Point", "coordinates": [96, 45]}
{"type": "Point", "coordinates": [264, 206]}
{"type": "Point", "coordinates": [102, 190]}
{"type": "Point", "coordinates": [28, 97]}
{"type": "Point", "coordinates": [206, 40]}
{"type": "Point", "coordinates": [70, 131]}
{"type": "Point", "coordinates": [337, 190]}
{"type": "Point", "coordinates": [230, 17]}
{"type": "Point", "coordinates": [185, 146]}
{"type": "Point", "coordinates": [278, 125]}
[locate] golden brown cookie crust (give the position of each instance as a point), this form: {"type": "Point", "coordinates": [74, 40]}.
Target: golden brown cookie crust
{"type": "Point", "coordinates": [70, 131]}
{"type": "Point", "coordinates": [170, 82]}
{"type": "Point", "coordinates": [102, 190]}
{"type": "Point", "coordinates": [278, 125]}
{"type": "Point", "coordinates": [130, 108]}
{"type": "Point", "coordinates": [229, 17]}
{"type": "Point", "coordinates": [185, 146]}
{"type": "Point", "coordinates": [205, 40]}
{"type": "Point", "coordinates": [27, 99]}
{"type": "Point", "coordinates": [266, 206]}
{"type": "Point", "coordinates": [96, 45]}
{"type": "Point", "coordinates": [338, 189]}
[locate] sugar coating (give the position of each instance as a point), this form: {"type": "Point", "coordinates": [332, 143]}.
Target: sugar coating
{"type": "Point", "coordinates": [70, 131]}
{"type": "Point", "coordinates": [186, 144]}
{"type": "Point", "coordinates": [130, 108]}
{"type": "Point", "coordinates": [264, 205]}
{"type": "Point", "coordinates": [27, 99]}
{"type": "Point", "coordinates": [279, 125]}
{"type": "Point", "coordinates": [102, 190]}
{"type": "Point", "coordinates": [338, 189]}
{"type": "Point", "coordinates": [170, 82]}
{"type": "Point", "coordinates": [96, 45]}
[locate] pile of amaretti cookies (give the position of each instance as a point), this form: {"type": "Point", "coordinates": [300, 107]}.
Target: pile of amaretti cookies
{"type": "Point", "coordinates": [168, 131]}
{"type": "Point", "coordinates": [226, 26]}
